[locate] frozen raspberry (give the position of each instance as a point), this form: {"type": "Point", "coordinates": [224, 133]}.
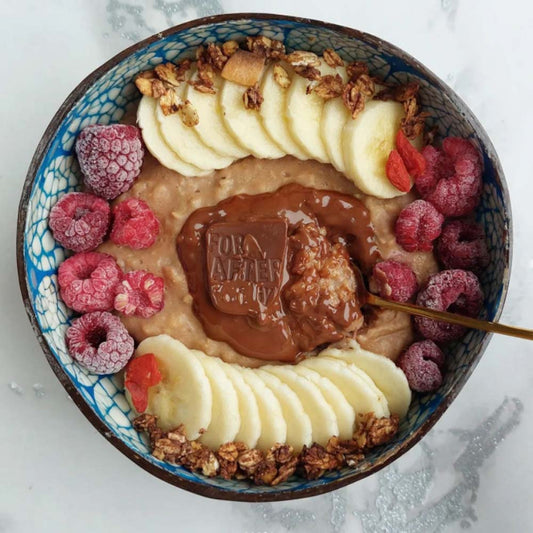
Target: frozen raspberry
{"type": "Point", "coordinates": [140, 293]}
{"type": "Point", "coordinates": [79, 221]}
{"type": "Point", "coordinates": [452, 179]}
{"type": "Point", "coordinates": [422, 365]}
{"type": "Point", "coordinates": [393, 280]}
{"type": "Point", "coordinates": [100, 342]}
{"type": "Point", "coordinates": [110, 158]}
{"type": "Point", "coordinates": [134, 224]}
{"type": "Point", "coordinates": [87, 281]}
{"type": "Point", "coordinates": [457, 291]}
{"type": "Point", "coordinates": [462, 245]}
{"type": "Point", "coordinates": [141, 373]}
{"type": "Point", "coordinates": [417, 226]}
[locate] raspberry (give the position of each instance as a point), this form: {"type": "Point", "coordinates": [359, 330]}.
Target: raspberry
{"type": "Point", "coordinates": [452, 179]}
{"type": "Point", "coordinates": [394, 280]}
{"type": "Point", "coordinates": [397, 173]}
{"type": "Point", "coordinates": [462, 245]}
{"type": "Point", "coordinates": [417, 226]}
{"type": "Point", "coordinates": [100, 342]}
{"type": "Point", "coordinates": [140, 293]}
{"type": "Point", "coordinates": [457, 291]}
{"type": "Point", "coordinates": [87, 281]}
{"type": "Point", "coordinates": [141, 373]}
{"type": "Point", "coordinates": [422, 365]}
{"type": "Point", "coordinates": [110, 158]}
{"type": "Point", "coordinates": [414, 161]}
{"type": "Point", "coordinates": [134, 225]}
{"type": "Point", "coordinates": [79, 221]}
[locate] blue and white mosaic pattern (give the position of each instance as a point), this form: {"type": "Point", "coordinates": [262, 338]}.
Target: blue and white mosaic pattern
{"type": "Point", "coordinates": [107, 100]}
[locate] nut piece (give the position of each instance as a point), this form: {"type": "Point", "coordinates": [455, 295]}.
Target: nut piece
{"type": "Point", "coordinates": [171, 74]}
{"type": "Point", "coordinates": [355, 92]}
{"type": "Point", "coordinates": [356, 69]}
{"type": "Point", "coordinates": [301, 58]}
{"type": "Point", "coordinates": [252, 98]}
{"type": "Point", "coordinates": [265, 47]}
{"type": "Point", "coordinates": [230, 47]}
{"type": "Point", "coordinates": [281, 76]}
{"type": "Point", "coordinates": [170, 102]}
{"type": "Point", "coordinates": [244, 68]}
{"type": "Point", "coordinates": [329, 86]}
{"type": "Point", "coordinates": [188, 114]}
{"type": "Point", "coordinates": [216, 56]}
{"type": "Point", "coordinates": [332, 58]}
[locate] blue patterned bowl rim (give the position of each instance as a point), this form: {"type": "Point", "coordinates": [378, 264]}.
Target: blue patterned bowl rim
{"type": "Point", "coordinates": [212, 491]}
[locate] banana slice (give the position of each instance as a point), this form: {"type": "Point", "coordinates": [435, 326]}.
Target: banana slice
{"type": "Point", "coordinates": [184, 394]}
{"type": "Point", "coordinates": [156, 144]}
{"type": "Point", "coordinates": [245, 124]}
{"type": "Point", "coordinates": [361, 396]}
{"type": "Point", "coordinates": [273, 425]}
{"type": "Point", "coordinates": [367, 142]}
{"type": "Point", "coordinates": [186, 142]}
{"type": "Point", "coordinates": [273, 115]}
{"type": "Point", "coordinates": [225, 417]}
{"type": "Point", "coordinates": [343, 410]}
{"type": "Point", "coordinates": [389, 379]}
{"type": "Point", "coordinates": [299, 430]}
{"type": "Point", "coordinates": [323, 420]}
{"type": "Point", "coordinates": [210, 127]}
{"type": "Point", "coordinates": [334, 116]}
{"type": "Point", "coordinates": [304, 114]}
{"type": "Point", "coordinates": [250, 429]}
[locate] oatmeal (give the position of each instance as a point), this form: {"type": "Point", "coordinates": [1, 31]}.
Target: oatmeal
{"type": "Point", "coordinates": [173, 197]}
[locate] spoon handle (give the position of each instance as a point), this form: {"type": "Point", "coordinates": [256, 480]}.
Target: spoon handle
{"type": "Point", "coordinates": [452, 318]}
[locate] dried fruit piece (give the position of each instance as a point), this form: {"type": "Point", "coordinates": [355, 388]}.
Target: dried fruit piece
{"type": "Point", "coordinates": [413, 159]}
{"type": "Point", "coordinates": [462, 244]}
{"type": "Point", "coordinates": [417, 226]}
{"type": "Point", "coordinates": [100, 342]}
{"type": "Point", "coordinates": [457, 291]}
{"type": "Point", "coordinates": [79, 221]}
{"type": "Point", "coordinates": [110, 158]}
{"type": "Point", "coordinates": [452, 179]}
{"type": "Point", "coordinates": [393, 280]}
{"type": "Point", "coordinates": [422, 364]}
{"type": "Point", "coordinates": [87, 281]}
{"type": "Point", "coordinates": [134, 224]}
{"type": "Point", "coordinates": [140, 293]}
{"type": "Point", "coordinates": [397, 173]}
{"type": "Point", "coordinates": [141, 373]}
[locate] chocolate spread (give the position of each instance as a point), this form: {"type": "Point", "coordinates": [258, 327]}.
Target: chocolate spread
{"type": "Point", "coordinates": [269, 274]}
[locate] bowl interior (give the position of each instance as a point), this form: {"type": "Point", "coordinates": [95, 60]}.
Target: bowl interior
{"type": "Point", "coordinates": [103, 98]}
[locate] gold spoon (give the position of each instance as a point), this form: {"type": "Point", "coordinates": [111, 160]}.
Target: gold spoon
{"type": "Point", "coordinates": [366, 297]}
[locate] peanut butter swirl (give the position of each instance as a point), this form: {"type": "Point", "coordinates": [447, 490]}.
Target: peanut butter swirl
{"type": "Point", "coordinates": [270, 274]}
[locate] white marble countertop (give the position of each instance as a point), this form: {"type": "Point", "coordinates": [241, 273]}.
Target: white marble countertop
{"type": "Point", "coordinates": [474, 470]}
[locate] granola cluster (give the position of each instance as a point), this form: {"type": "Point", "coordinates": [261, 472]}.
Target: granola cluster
{"type": "Point", "coordinates": [214, 60]}
{"type": "Point", "coordinates": [322, 293]}
{"type": "Point", "coordinates": [234, 460]}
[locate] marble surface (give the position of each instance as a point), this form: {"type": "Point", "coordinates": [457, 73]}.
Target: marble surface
{"type": "Point", "coordinates": [473, 471]}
